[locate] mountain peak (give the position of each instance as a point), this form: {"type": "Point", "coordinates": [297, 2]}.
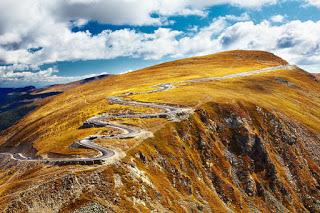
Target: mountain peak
{"type": "Point", "coordinates": [219, 131]}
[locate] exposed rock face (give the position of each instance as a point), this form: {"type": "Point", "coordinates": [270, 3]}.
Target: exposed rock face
{"type": "Point", "coordinates": [224, 158]}
{"type": "Point", "coordinates": [91, 208]}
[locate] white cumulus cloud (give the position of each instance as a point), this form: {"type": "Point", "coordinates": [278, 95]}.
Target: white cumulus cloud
{"type": "Point", "coordinates": [45, 26]}
{"type": "Point", "coordinates": [35, 32]}
{"type": "Point", "coordinates": [15, 74]}
{"type": "Point", "coordinates": [277, 18]}
{"type": "Point", "coordinates": [315, 3]}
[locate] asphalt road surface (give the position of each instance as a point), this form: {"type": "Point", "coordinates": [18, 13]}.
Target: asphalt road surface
{"type": "Point", "coordinates": [170, 112]}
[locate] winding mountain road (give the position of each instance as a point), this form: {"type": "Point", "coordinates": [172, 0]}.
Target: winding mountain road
{"type": "Point", "coordinates": [170, 112]}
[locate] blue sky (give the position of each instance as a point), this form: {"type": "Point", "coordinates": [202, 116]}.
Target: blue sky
{"type": "Point", "coordinates": [43, 43]}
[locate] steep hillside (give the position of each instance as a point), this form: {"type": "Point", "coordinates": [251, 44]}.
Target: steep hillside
{"type": "Point", "coordinates": [15, 103]}
{"type": "Point", "coordinates": [251, 143]}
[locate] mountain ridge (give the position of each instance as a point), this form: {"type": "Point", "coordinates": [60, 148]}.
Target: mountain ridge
{"type": "Point", "coordinates": [250, 145]}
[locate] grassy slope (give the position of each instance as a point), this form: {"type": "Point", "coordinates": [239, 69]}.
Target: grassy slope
{"type": "Point", "coordinates": [54, 126]}
{"type": "Point", "coordinates": [21, 101]}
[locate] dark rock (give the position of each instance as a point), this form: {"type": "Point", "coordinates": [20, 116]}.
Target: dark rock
{"type": "Point", "coordinates": [142, 157]}
{"type": "Point", "coordinates": [259, 155]}
{"type": "Point", "coordinates": [285, 82]}
{"type": "Point", "coordinates": [260, 189]}
{"type": "Point", "coordinates": [220, 128]}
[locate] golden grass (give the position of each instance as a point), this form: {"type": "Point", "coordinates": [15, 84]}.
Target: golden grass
{"type": "Point", "coordinates": [55, 125]}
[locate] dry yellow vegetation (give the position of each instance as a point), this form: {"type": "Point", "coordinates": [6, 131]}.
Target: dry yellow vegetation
{"type": "Point", "coordinates": [172, 161]}
{"type": "Point", "coordinates": [55, 125]}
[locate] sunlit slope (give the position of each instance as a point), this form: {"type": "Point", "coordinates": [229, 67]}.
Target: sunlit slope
{"type": "Point", "coordinates": [55, 126]}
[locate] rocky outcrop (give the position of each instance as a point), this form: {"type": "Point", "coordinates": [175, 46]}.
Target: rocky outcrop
{"type": "Point", "coordinates": [226, 157]}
